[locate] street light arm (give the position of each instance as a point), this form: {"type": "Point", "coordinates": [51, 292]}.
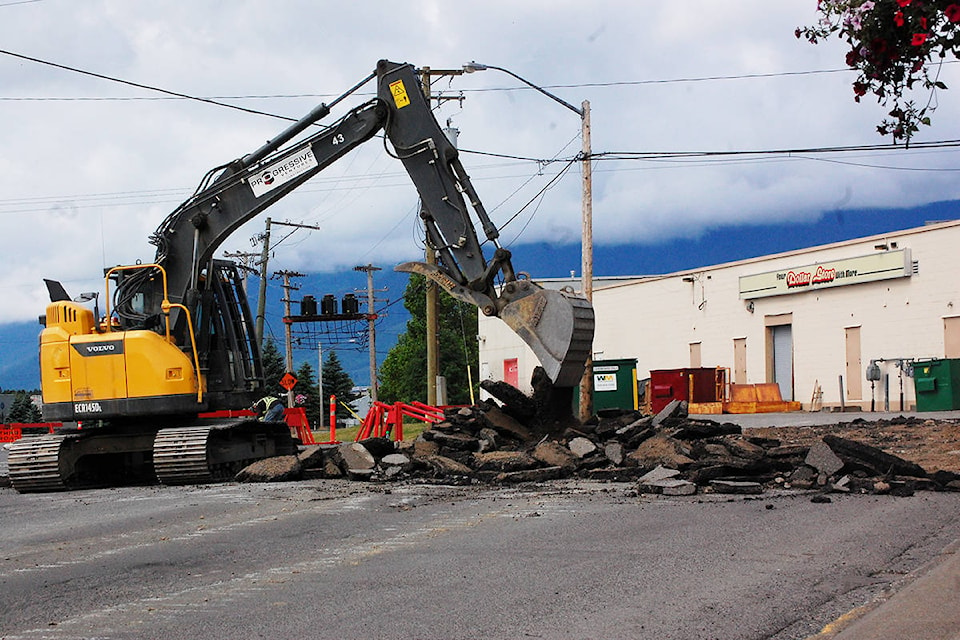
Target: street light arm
{"type": "Point", "coordinates": [586, 382]}
{"type": "Point", "coordinates": [476, 66]}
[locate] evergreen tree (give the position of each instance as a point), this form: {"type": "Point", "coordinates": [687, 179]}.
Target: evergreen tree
{"type": "Point", "coordinates": [403, 373]}
{"type": "Point", "coordinates": [273, 367]}
{"type": "Point", "coordinates": [23, 410]}
{"type": "Point", "coordinates": [337, 382]}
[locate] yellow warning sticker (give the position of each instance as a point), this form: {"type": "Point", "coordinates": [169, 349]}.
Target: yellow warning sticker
{"type": "Point", "coordinates": [399, 93]}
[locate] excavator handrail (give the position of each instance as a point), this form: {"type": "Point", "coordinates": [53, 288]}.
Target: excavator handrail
{"type": "Point", "coordinates": [165, 306]}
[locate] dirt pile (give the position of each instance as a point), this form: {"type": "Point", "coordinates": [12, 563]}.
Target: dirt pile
{"type": "Point", "coordinates": [933, 444]}
{"type": "Point", "coordinates": [520, 440]}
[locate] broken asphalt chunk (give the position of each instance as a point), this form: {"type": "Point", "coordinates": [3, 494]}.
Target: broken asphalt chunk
{"type": "Point", "coordinates": [738, 487]}
{"type": "Point", "coordinates": [822, 458]}
{"type": "Point", "coordinates": [553, 453]}
{"type": "Point", "coordinates": [276, 469]}
{"type": "Point", "coordinates": [871, 459]}
{"type": "Point", "coordinates": [668, 487]}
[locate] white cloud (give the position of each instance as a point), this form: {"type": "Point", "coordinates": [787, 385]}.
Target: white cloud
{"type": "Point", "coordinates": [83, 183]}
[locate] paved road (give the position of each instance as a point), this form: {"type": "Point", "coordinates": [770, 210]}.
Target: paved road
{"type": "Point", "coordinates": [325, 559]}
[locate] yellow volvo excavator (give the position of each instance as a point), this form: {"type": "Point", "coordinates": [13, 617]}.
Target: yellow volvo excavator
{"type": "Point", "coordinates": [177, 340]}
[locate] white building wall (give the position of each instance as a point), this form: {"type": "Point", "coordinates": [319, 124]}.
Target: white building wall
{"type": "Point", "coordinates": [655, 320]}
{"type": "Point", "coordinates": [499, 343]}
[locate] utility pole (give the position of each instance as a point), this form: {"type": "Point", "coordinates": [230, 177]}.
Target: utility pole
{"type": "Point", "coordinates": [371, 329]}
{"type": "Point", "coordinates": [245, 257]}
{"type": "Point", "coordinates": [264, 258]}
{"type": "Point", "coordinates": [586, 382]}
{"type": "Point", "coordinates": [433, 343]}
{"type": "Point", "coordinates": [262, 297]}
{"type": "Point", "coordinates": [287, 329]}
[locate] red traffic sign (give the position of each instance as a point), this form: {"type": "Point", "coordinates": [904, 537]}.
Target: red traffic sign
{"type": "Point", "coordinates": [288, 381]}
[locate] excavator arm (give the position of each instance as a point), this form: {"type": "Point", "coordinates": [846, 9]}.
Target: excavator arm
{"type": "Point", "coordinates": [557, 325]}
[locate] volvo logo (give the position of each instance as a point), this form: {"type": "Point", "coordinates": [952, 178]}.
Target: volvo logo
{"type": "Point", "coordinates": [100, 348]}
{"type": "Point", "coordinates": [108, 348]}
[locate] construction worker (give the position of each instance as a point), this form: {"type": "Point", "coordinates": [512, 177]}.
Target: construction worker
{"type": "Point", "coordinates": [269, 409]}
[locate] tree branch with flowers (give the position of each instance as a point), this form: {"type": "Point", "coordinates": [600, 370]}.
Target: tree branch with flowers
{"type": "Point", "coordinates": [895, 45]}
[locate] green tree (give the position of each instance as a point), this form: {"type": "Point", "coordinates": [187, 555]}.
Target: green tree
{"type": "Point", "coordinates": [273, 367]}
{"type": "Point", "coordinates": [22, 409]}
{"type": "Point", "coordinates": [307, 395]}
{"type": "Point", "coordinates": [403, 373]}
{"type": "Point", "coordinates": [337, 382]}
{"type": "Point", "coordinates": [893, 44]}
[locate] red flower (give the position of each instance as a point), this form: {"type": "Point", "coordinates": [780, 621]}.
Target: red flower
{"type": "Point", "coordinates": [923, 22]}
{"type": "Point", "coordinates": [898, 18]}
{"type": "Point", "coordinates": [953, 12]}
{"type": "Point", "coordinates": [878, 48]}
{"type": "Point", "coordinates": [904, 3]}
{"type": "Point", "coordinates": [918, 38]}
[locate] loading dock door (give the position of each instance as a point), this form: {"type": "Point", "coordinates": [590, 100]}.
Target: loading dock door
{"type": "Point", "coordinates": [783, 359]}
{"type": "Point", "coordinates": [740, 361]}
{"type": "Point", "coordinates": [951, 337]}
{"type": "Point", "coordinates": [854, 368]}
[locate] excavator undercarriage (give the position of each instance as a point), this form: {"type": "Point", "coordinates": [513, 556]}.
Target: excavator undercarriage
{"type": "Point", "coordinates": [202, 451]}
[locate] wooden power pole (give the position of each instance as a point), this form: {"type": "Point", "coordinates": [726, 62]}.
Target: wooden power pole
{"type": "Point", "coordinates": [433, 342]}
{"type": "Point", "coordinates": [288, 329]}
{"type": "Point", "coordinates": [371, 329]}
{"type": "Point", "coordinates": [586, 383]}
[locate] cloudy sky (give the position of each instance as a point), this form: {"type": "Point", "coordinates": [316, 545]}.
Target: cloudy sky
{"type": "Point", "coordinates": [90, 167]}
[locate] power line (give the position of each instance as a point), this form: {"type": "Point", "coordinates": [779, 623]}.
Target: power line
{"type": "Point", "coordinates": [170, 95]}
{"type": "Point", "coordinates": [659, 155]}
{"type": "Point", "coordinates": [323, 96]}
{"type": "Point", "coordinates": [172, 196]}
{"type": "Point", "coordinates": [628, 83]}
{"type": "Point", "coordinates": [138, 85]}
{"type": "Point", "coordinates": [29, 205]}
{"type": "Point", "coordinates": [598, 156]}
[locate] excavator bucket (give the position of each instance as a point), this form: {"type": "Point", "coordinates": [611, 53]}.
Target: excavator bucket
{"type": "Point", "coordinates": [557, 325]}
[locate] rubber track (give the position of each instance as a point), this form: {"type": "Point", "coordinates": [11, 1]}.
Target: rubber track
{"type": "Point", "coordinates": [35, 464]}
{"type": "Point", "coordinates": [180, 455]}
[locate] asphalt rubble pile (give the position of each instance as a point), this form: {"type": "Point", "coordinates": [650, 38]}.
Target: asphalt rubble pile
{"type": "Point", "coordinates": [519, 439]}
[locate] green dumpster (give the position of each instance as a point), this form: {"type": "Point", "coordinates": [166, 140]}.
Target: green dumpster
{"type": "Point", "coordinates": [937, 384]}
{"type": "Point", "coordinates": [615, 384]}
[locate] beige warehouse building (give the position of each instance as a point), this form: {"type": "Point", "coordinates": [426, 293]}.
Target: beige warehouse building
{"type": "Point", "coordinates": [807, 319]}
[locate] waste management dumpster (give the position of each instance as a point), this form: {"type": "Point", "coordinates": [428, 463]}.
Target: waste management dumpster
{"type": "Point", "coordinates": [615, 384]}
{"type": "Point", "coordinates": [937, 384]}
{"type": "Point", "coordinates": [699, 385]}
